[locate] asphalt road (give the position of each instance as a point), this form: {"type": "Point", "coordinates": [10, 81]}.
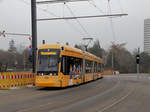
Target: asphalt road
{"type": "Point", "coordinates": [123, 93]}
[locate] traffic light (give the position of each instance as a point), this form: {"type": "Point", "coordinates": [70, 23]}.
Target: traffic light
{"type": "Point", "coordinates": [30, 58]}
{"type": "Point", "coordinates": [137, 58]}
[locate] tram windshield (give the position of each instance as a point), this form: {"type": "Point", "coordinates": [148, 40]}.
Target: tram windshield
{"type": "Point", "coordinates": [48, 60]}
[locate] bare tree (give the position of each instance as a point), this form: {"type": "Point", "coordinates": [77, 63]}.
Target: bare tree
{"type": "Point", "coordinates": [122, 58]}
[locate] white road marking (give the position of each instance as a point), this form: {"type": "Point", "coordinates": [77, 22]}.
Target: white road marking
{"type": "Point", "coordinates": [127, 76]}
{"type": "Point", "coordinates": [118, 101]}
{"type": "Point", "coordinates": [30, 109]}
{"type": "Point", "coordinates": [43, 105]}
{"type": "Point", "coordinates": [4, 91]}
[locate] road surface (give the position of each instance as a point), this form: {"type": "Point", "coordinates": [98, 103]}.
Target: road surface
{"type": "Point", "coordinates": [123, 93]}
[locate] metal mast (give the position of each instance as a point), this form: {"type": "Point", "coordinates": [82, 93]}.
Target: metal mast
{"type": "Point", "coordinates": [34, 34]}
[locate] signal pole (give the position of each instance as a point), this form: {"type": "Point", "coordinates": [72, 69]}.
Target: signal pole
{"type": "Point", "coordinates": [138, 63]}
{"type": "Point", "coordinates": [34, 34]}
{"type": "Point", "coordinates": [112, 61]}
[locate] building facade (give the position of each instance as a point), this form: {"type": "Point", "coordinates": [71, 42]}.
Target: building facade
{"type": "Point", "coordinates": [147, 36]}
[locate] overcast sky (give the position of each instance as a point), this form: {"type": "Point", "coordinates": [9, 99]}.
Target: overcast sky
{"type": "Point", "coordinates": [15, 18]}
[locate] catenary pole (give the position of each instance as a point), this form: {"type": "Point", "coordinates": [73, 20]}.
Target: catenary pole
{"type": "Point", "coordinates": [34, 34]}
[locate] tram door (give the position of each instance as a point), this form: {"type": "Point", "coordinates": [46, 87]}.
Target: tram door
{"type": "Point", "coordinates": [72, 66]}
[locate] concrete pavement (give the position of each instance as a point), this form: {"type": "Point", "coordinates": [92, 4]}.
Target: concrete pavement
{"type": "Point", "coordinates": [125, 93]}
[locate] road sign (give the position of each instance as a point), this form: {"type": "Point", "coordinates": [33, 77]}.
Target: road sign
{"type": "Point", "coordinates": [30, 38]}
{"type": "Point", "coordinates": [2, 33]}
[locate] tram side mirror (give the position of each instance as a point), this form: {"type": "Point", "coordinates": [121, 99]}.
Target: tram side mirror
{"type": "Point", "coordinates": [62, 48]}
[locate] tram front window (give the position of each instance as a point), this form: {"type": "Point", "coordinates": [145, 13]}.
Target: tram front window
{"type": "Point", "coordinates": [48, 60]}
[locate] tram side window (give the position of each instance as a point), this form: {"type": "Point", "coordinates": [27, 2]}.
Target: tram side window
{"type": "Point", "coordinates": [70, 64]}
{"type": "Point", "coordinates": [88, 67]}
{"type": "Point", "coordinates": [65, 65]}
{"type": "Point", "coordinates": [99, 67]}
{"type": "Point", "coordinates": [76, 64]}
{"type": "Point", "coordinates": [102, 69]}
{"type": "Point", "coordinates": [95, 67]}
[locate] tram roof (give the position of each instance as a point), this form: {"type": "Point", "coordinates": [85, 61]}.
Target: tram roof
{"type": "Point", "coordinates": [69, 48]}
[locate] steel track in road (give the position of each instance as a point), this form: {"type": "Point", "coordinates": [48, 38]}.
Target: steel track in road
{"type": "Point", "coordinates": [116, 102]}
{"type": "Point", "coordinates": [69, 95]}
{"type": "Point", "coordinates": [91, 100]}
{"type": "Point", "coordinates": [106, 95]}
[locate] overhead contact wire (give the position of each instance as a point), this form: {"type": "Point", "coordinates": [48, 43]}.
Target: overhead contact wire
{"type": "Point", "coordinates": [94, 5]}
{"type": "Point", "coordinates": [78, 21]}
{"type": "Point", "coordinates": [44, 10]}
{"type": "Point", "coordinates": [121, 8]}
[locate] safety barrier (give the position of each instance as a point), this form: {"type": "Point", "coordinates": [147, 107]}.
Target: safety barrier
{"type": "Point", "coordinates": [108, 72]}
{"type": "Point", "coordinates": [10, 80]}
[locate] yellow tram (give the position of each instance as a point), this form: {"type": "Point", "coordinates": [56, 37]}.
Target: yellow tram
{"type": "Point", "coordinates": [60, 65]}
